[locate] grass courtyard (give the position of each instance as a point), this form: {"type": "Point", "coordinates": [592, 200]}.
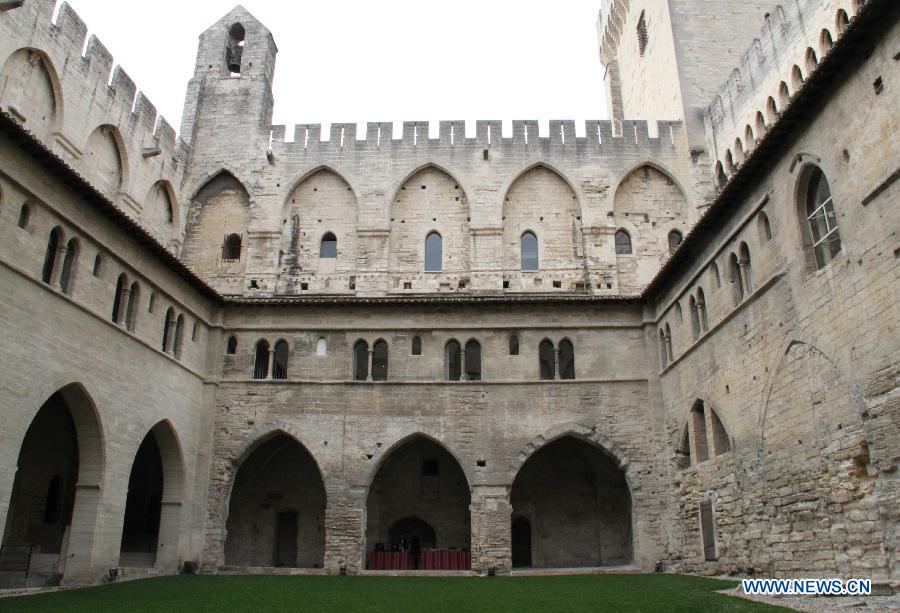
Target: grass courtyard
{"type": "Point", "coordinates": [593, 593]}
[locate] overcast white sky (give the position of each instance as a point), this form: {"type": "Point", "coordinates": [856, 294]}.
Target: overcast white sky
{"type": "Point", "coordinates": [353, 60]}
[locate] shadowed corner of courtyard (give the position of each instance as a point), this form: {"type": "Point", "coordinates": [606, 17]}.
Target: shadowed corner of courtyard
{"type": "Point", "coordinates": [346, 594]}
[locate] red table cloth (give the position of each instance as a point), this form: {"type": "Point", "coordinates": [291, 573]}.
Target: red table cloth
{"type": "Point", "coordinates": [389, 560]}
{"type": "Point", "coordinates": [445, 559]}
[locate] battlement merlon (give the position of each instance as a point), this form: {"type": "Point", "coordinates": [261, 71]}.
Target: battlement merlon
{"type": "Point", "coordinates": [488, 135]}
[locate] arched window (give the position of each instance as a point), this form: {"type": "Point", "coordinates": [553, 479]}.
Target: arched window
{"type": "Point", "coordinates": [195, 332]}
{"type": "Point", "coordinates": [321, 347]}
{"type": "Point", "coordinates": [566, 359]}
{"type": "Point", "coordinates": [716, 277]}
{"type": "Point", "coordinates": [670, 352]}
{"type": "Point", "coordinates": [434, 253]}
{"type": "Point", "coordinates": [663, 352]}
{"type": "Point", "coordinates": [473, 361]}
{"type": "Point", "coordinates": [328, 247]}
{"type": "Point", "coordinates": [771, 110]}
{"type": "Point", "coordinates": [701, 307]}
{"type": "Point", "coordinates": [380, 361]}
{"type": "Point", "coordinates": [825, 42]}
{"type": "Point", "coordinates": [151, 304]}
{"type": "Point", "coordinates": [98, 265]}
{"type": "Point", "coordinates": [823, 237]}
{"type": "Point", "coordinates": [811, 60]}
{"type": "Point", "coordinates": [231, 348]}
{"type": "Point", "coordinates": [764, 227]}
{"type": "Point", "coordinates": [721, 440]}
{"type": "Point", "coordinates": [761, 127]}
{"type": "Point", "coordinates": [417, 345]}
{"type": "Point", "coordinates": [841, 22]}
{"type": "Point", "coordinates": [747, 266]}
{"type": "Point", "coordinates": [679, 314]}
{"type": "Point", "coordinates": [53, 243]}
{"type": "Point", "coordinates": [261, 361]}
{"type": "Point", "coordinates": [683, 452]}
{"type": "Point", "coordinates": [234, 51]}
{"type": "Point", "coordinates": [698, 417]}
{"type": "Point", "coordinates": [167, 328]}
{"type": "Point", "coordinates": [784, 96]}
{"type": "Point", "coordinates": [131, 311]}
{"type": "Point", "coordinates": [453, 361]}
{"type": "Point", "coordinates": [361, 361]}
{"type": "Point", "coordinates": [675, 239]}
{"type": "Point", "coordinates": [695, 318]}
{"type": "Point", "coordinates": [280, 361]}
{"type": "Point", "coordinates": [67, 276]}
{"type": "Point", "coordinates": [737, 283]}
{"type": "Point", "coordinates": [530, 258]}
{"type": "Point", "coordinates": [231, 248]}
{"type": "Point", "coordinates": [623, 243]}
{"type": "Point", "coordinates": [121, 286]}
{"type": "Point", "coordinates": [796, 78]}
{"type": "Point", "coordinates": [24, 216]}
{"type": "Point", "coordinates": [179, 336]}
{"type": "Point", "coordinates": [513, 344]}
{"type": "Point", "coordinates": [721, 177]}
{"type": "Point", "coordinates": [547, 361]}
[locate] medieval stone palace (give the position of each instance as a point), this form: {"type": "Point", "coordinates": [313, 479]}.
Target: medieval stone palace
{"type": "Point", "coordinates": [669, 336]}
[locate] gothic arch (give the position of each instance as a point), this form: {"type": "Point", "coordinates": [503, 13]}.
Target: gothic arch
{"type": "Point", "coordinates": [306, 174]}
{"type": "Point", "coordinates": [222, 169]}
{"type": "Point", "coordinates": [537, 163]}
{"type": "Point", "coordinates": [55, 100]}
{"type": "Point", "coordinates": [410, 173]}
{"type": "Point", "coordinates": [584, 434]}
{"type": "Point", "coordinates": [385, 452]}
{"type": "Point", "coordinates": [614, 187]}
{"type": "Point", "coordinates": [109, 166]}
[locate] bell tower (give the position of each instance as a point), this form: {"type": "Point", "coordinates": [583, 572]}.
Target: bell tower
{"type": "Point", "coordinates": [228, 107]}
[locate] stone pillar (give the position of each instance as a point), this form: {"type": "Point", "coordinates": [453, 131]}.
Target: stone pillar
{"type": "Point", "coordinates": [371, 359]}
{"type": "Point", "coordinates": [701, 315]}
{"type": "Point", "coordinates": [745, 278]}
{"type": "Point", "coordinates": [669, 353]}
{"type": "Point", "coordinates": [556, 363]}
{"type": "Point", "coordinates": [345, 529]}
{"type": "Point", "coordinates": [271, 366]}
{"type": "Point", "coordinates": [462, 363]}
{"type": "Point", "coordinates": [491, 529]}
{"type": "Point", "coordinates": [170, 337]}
{"type": "Point", "coordinates": [82, 565]}
{"type": "Point", "coordinates": [56, 273]}
{"type": "Point", "coordinates": [122, 315]}
{"type": "Point", "coordinates": [167, 552]}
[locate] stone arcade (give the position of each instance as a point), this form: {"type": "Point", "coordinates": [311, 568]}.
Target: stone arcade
{"type": "Point", "coordinates": [247, 347]}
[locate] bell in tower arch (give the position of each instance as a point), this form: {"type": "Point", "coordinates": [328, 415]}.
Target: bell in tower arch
{"type": "Point", "coordinates": [234, 51]}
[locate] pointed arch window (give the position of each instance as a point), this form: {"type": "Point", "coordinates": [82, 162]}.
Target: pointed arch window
{"type": "Point", "coordinates": [24, 216]}
{"type": "Point", "coordinates": [53, 243]}
{"type": "Point", "coordinates": [380, 361]}
{"type": "Point", "coordinates": [167, 328]}
{"type": "Point", "coordinates": [280, 361]}
{"type": "Point", "coordinates": [328, 247]}
{"type": "Point", "coordinates": [566, 360]}
{"type": "Point", "coordinates": [546, 361]}
{"type": "Point", "coordinates": [663, 349]}
{"type": "Point", "coordinates": [453, 361]}
{"type": "Point", "coordinates": [417, 345]}
{"type": "Point", "coordinates": [530, 257]}
{"type": "Point", "coordinates": [234, 50]}
{"type": "Point", "coordinates": [513, 344]}
{"type": "Point", "coordinates": [623, 243]}
{"type": "Point", "coordinates": [473, 361]}
{"type": "Point", "coordinates": [821, 218]}
{"type": "Point", "coordinates": [434, 253]}
{"type": "Point", "coordinates": [695, 318]}
{"type": "Point", "coordinates": [675, 239]}
{"type": "Point", "coordinates": [261, 361]}
{"type": "Point", "coordinates": [121, 289]}
{"type": "Point", "coordinates": [321, 347]}
{"type": "Point", "coordinates": [67, 276]}
{"type": "Point", "coordinates": [701, 307]}
{"type": "Point", "coordinates": [231, 348]}
{"type": "Point", "coordinates": [361, 361]}
{"type": "Point", "coordinates": [737, 281]}
{"type": "Point", "coordinates": [179, 336]}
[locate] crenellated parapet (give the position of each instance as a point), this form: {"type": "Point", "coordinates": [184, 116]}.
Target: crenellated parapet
{"type": "Point", "coordinates": [90, 112]}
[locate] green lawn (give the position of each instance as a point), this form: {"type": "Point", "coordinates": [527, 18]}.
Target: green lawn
{"type": "Point", "coordinates": [617, 593]}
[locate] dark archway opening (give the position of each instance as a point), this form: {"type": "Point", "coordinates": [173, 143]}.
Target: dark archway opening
{"type": "Point", "coordinates": [578, 505]}
{"type": "Point", "coordinates": [521, 543]}
{"type": "Point", "coordinates": [38, 524]}
{"type": "Point", "coordinates": [143, 507]}
{"type": "Point", "coordinates": [276, 515]}
{"type": "Point", "coordinates": [418, 511]}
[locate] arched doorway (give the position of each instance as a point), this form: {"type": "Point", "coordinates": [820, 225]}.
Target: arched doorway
{"type": "Point", "coordinates": [417, 510]}
{"type": "Point", "coordinates": [276, 515]}
{"type": "Point", "coordinates": [577, 505]}
{"type": "Point", "coordinates": [521, 542]}
{"type": "Point", "coordinates": [62, 447]}
{"type": "Point", "coordinates": [151, 526]}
